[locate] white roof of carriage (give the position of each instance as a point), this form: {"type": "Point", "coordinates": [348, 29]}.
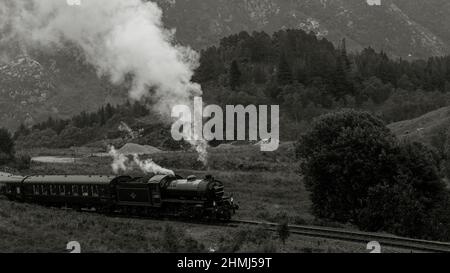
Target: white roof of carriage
{"type": "Point", "coordinates": [69, 179]}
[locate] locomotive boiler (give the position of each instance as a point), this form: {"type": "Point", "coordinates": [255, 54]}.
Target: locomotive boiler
{"type": "Point", "coordinates": [156, 195]}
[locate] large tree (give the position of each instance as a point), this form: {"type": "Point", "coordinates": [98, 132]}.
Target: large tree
{"type": "Point", "coordinates": [358, 172]}
{"type": "Point", "coordinates": [411, 203]}
{"type": "Point", "coordinates": [235, 75]}
{"type": "Point", "coordinates": [284, 72]}
{"type": "Point", "coordinates": [6, 146]}
{"type": "Point", "coordinates": [342, 156]}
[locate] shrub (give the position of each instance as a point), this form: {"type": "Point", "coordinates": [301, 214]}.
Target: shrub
{"type": "Point", "coordinates": [6, 146]}
{"type": "Point", "coordinates": [358, 172]}
{"type": "Point", "coordinates": [175, 241]}
{"type": "Point", "coordinates": [247, 239]}
{"type": "Point", "coordinates": [408, 206]}
{"type": "Point", "coordinates": [22, 161]}
{"type": "Point", "coordinates": [283, 231]}
{"type": "Point", "coordinates": [5, 158]}
{"type": "Point", "coordinates": [394, 208]}
{"type": "Point", "coordinates": [341, 157]}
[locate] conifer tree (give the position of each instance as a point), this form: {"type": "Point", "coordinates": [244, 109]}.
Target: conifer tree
{"type": "Point", "coordinates": [235, 76]}
{"type": "Point", "coordinates": [284, 73]}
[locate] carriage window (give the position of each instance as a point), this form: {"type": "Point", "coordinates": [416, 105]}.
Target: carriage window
{"type": "Point", "coordinates": [52, 190]}
{"type": "Point", "coordinates": [62, 190]}
{"type": "Point", "coordinates": [36, 189]}
{"type": "Point", "coordinates": [102, 191]}
{"type": "Point", "coordinates": [94, 191]}
{"type": "Point", "coordinates": [44, 189]}
{"type": "Point", "coordinates": [18, 190]}
{"type": "Point", "coordinates": [75, 190]}
{"type": "Point", "coordinates": [85, 190]}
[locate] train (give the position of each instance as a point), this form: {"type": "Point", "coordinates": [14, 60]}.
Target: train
{"type": "Point", "coordinates": [151, 196]}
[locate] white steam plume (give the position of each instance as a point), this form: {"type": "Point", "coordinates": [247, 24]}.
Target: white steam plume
{"type": "Point", "coordinates": [148, 166]}
{"type": "Point", "coordinates": [120, 161]}
{"type": "Point", "coordinates": [118, 37]}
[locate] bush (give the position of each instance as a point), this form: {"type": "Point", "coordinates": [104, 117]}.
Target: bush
{"type": "Point", "coordinates": [358, 172]}
{"type": "Point", "coordinates": [5, 158]}
{"type": "Point", "coordinates": [6, 146]}
{"type": "Point", "coordinates": [22, 161]}
{"type": "Point", "coordinates": [45, 138]}
{"type": "Point", "coordinates": [247, 240]}
{"type": "Point", "coordinates": [176, 241]}
{"type": "Point", "coordinates": [342, 156]}
{"type": "Point", "coordinates": [283, 231]}
{"type": "Point", "coordinates": [394, 208]}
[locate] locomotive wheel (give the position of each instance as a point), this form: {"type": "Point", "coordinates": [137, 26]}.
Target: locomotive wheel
{"type": "Point", "coordinates": [198, 213]}
{"type": "Point", "coordinates": [226, 215]}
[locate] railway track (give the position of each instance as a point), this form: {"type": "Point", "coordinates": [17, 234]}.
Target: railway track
{"type": "Point", "coordinates": [357, 236]}
{"type": "Point", "coordinates": [322, 232]}
{"type": "Point", "coordinates": [326, 233]}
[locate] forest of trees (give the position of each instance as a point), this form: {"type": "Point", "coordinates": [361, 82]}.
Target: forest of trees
{"type": "Point", "coordinates": [305, 75]}
{"type": "Point", "coordinates": [80, 129]}
{"type": "Point", "coordinates": [308, 77]}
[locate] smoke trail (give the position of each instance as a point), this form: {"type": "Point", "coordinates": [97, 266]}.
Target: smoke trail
{"type": "Point", "coordinates": [120, 161]}
{"type": "Point", "coordinates": [148, 166]}
{"type": "Point", "coordinates": [118, 37]}
{"type": "Point", "coordinates": [201, 147]}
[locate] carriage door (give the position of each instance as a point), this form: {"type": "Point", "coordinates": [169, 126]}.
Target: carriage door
{"type": "Point", "coordinates": [156, 194]}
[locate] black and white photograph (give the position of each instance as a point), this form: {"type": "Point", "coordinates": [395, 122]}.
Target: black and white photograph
{"type": "Point", "coordinates": [230, 133]}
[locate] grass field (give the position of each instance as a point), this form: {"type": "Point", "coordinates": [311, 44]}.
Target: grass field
{"type": "Point", "coordinates": [266, 186]}
{"type": "Point", "coordinates": [423, 128]}
{"type": "Point", "coordinates": [30, 228]}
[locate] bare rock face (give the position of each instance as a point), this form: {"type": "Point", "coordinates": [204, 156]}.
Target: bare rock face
{"type": "Point", "coordinates": [24, 84]}
{"type": "Point", "coordinates": [57, 84]}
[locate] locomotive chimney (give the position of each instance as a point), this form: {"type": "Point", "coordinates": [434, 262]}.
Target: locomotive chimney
{"type": "Point", "coordinates": [209, 177]}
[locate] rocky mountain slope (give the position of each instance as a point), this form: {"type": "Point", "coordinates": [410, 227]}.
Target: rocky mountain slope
{"type": "Point", "coordinates": [59, 84]}
{"type": "Point", "coordinates": [403, 28]}
{"type": "Point", "coordinates": [50, 84]}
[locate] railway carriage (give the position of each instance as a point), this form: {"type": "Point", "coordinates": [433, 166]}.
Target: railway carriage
{"type": "Point", "coordinates": [11, 186]}
{"type": "Point", "coordinates": [71, 191]}
{"type": "Point", "coordinates": [150, 195]}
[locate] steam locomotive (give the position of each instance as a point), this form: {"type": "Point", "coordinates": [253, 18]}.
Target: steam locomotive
{"type": "Point", "coordinates": [155, 196]}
